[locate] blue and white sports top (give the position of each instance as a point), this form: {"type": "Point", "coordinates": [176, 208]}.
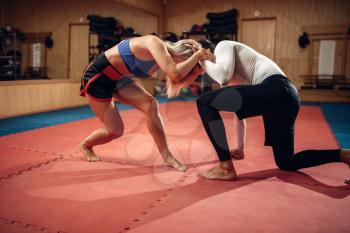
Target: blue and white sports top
{"type": "Point", "coordinates": [136, 66]}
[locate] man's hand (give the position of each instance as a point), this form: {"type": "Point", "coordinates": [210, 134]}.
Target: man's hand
{"type": "Point", "coordinates": [237, 154]}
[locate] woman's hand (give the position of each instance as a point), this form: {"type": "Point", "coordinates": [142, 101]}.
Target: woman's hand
{"type": "Point", "coordinates": [203, 54]}
{"type": "Point", "coordinates": [194, 45]}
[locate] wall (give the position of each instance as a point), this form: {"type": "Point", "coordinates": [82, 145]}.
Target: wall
{"type": "Point", "coordinates": [32, 96]}
{"type": "Point", "coordinates": [54, 16]}
{"type": "Point", "coordinates": [24, 97]}
{"type": "Point", "coordinates": [291, 16]}
{"type": "Point", "coordinates": [155, 7]}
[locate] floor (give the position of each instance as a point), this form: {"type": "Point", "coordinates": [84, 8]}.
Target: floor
{"type": "Point", "coordinates": [47, 186]}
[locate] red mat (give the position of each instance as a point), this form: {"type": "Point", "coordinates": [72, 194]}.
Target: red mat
{"type": "Point", "coordinates": [47, 186]}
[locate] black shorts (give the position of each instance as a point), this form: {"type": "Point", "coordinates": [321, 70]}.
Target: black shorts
{"type": "Point", "coordinates": [100, 80]}
{"type": "Point", "coordinates": [278, 101]}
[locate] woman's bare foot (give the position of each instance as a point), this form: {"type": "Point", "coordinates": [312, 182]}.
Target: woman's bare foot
{"type": "Point", "coordinates": [172, 162]}
{"type": "Point", "coordinates": [224, 171]}
{"type": "Point", "coordinates": [345, 158]}
{"type": "Point", "coordinates": [89, 153]}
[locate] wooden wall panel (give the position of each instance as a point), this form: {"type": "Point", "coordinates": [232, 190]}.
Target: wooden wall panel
{"type": "Point", "coordinates": [24, 97]}
{"type": "Point", "coordinates": [264, 44]}
{"type": "Point", "coordinates": [291, 17]}
{"type": "Point", "coordinates": [155, 7]}
{"type": "Point", "coordinates": [347, 67]}
{"type": "Point", "coordinates": [78, 50]}
{"type": "Point", "coordinates": [31, 96]}
{"type": "Point", "coordinates": [55, 16]}
{"type": "Point", "coordinates": [325, 96]}
{"type": "Point", "coordinates": [151, 6]}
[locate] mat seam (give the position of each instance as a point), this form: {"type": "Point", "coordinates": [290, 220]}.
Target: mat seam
{"type": "Point", "coordinates": [159, 200]}
{"type": "Point", "coordinates": [35, 227]}
{"type": "Point", "coordinates": [31, 168]}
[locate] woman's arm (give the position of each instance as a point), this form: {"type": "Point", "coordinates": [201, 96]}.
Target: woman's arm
{"type": "Point", "coordinates": [175, 71]}
{"type": "Point", "coordinates": [194, 73]}
{"type": "Point", "coordinates": [187, 80]}
{"type": "Point", "coordinates": [222, 70]}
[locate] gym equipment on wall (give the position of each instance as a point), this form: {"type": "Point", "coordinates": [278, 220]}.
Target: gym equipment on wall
{"type": "Point", "coordinates": [108, 32]}
{"type": "Point", "coordinates": [11, 40]}
{"type": "Point", "coordinates": [220, 26]}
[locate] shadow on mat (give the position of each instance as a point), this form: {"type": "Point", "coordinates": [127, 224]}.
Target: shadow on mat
{"type": "Point", "coordinates": [216, 187]}
{"type": "Point", "coordinates": [187, 195]}
{"type": "Point", "coordinates": [180, 197]}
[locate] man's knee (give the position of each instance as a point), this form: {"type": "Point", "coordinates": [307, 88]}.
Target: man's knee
{"type": "Point", "coordinates": [286, 166]}
{"type": "Point", "coordinates": [284, 156]}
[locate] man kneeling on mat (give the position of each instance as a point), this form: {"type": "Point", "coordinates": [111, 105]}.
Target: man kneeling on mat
{"type": "Point", "coordinates": [267, 92]}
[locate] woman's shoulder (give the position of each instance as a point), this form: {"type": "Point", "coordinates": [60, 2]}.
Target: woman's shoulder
{"type": "Point", "coordinates": [148, 42]}
{"type": "Point", "coordinates": [150, 39]}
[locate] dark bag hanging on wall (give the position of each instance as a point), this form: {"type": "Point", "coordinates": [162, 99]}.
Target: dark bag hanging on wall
{"type": "Point", "coordinates": [102, 20]}
{"type": "Point", "coordinates": [223, 22]}
{"type": "Point", "coordinates": [233, 13]}
{"type": "Point", "coordinates": [303, 40]}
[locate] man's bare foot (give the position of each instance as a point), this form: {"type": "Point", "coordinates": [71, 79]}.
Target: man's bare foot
{"type": "Point", "coordinates": [218, 173]}
{"type": "Point", "coordinates": [345, 158]}
{"type": "Point", "coordinates": [89, 153]}
{"type": "Point", "coordinates": [224, 171]}
{"type": "Point", "coordinates": [172, 162]}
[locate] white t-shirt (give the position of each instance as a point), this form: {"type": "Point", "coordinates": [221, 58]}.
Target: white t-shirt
{"type": "Point", "coordinates": [236, 59]}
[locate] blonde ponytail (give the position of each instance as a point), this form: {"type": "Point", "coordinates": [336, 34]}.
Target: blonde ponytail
{"type": "Point", "coordinates": [183, 49]}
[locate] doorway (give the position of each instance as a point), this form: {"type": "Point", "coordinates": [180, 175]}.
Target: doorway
{"type": "Point", "coordinates": [259, 33]}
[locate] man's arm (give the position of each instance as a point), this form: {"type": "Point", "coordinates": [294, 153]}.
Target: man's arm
{"type": "Point", "coordinates": [240, 128]}
{"type": "Point", "coordinates": [222, 70]}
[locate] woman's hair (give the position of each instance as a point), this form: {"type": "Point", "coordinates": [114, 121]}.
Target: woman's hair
{"type": "Point", "coordinates": [181, 49]}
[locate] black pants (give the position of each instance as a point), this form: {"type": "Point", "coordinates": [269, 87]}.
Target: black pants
{"type": "Point", "coordinates": [277, 101]}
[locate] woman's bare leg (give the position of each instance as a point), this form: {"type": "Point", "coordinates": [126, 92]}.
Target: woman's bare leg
{"type": "Point", "coordinates": [113, 128]}
{"type": "Point", "coordinates": [138, 97]}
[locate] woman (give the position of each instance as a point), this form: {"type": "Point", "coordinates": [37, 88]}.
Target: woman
{"type": "Point", "coordinates": [268, 92]}
{"type": "Point", "coordinates": [108, 77]}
